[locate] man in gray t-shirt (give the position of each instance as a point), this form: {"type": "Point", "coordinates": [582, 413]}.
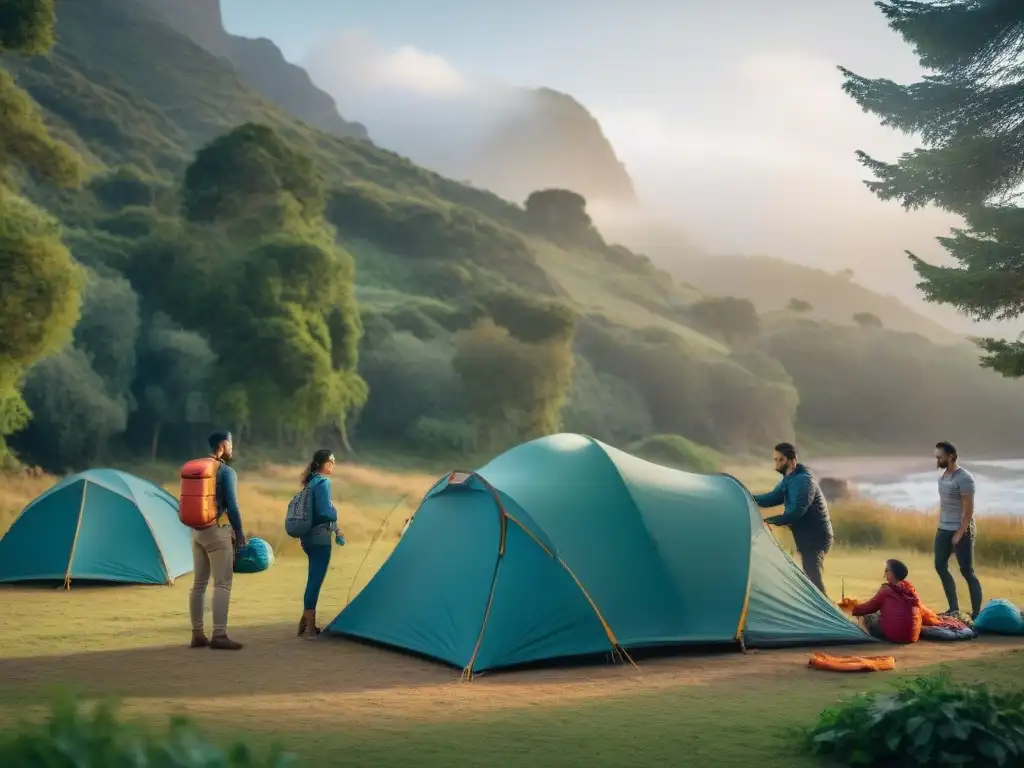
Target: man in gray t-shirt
{"type": "Point", "coordinates": [956, 527]}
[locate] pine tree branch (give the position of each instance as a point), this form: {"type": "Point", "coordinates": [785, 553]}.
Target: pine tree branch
{"type": "Point", "coordinates": [1005, 357]}
{"type": "Point", "coordinates": [967, 39]}
{"type": "Point", "coordinates": [939, 109]}
{"type": "Point", "coordinates": [981, 295]}
{"type": "Point", "coordinates": [964, 173]}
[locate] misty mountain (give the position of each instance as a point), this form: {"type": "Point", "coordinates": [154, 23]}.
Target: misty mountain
{"type": "Point", "coordinates": [260, 64]}
{"type": "Point", "coordinates": [509, 140]}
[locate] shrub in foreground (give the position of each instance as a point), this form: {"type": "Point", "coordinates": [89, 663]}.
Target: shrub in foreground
{"type": "Point", "coordinates": [76, 738]}
{"type": "Point", "coordinates": [929, 721]}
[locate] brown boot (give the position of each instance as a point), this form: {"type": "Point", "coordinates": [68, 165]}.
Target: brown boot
{"type": "Point", "coordinates": [310, 630]}
{"type": "Point", "coordinates": [199, 640]}
{"type": "Point", "coordinates": [224, 643]}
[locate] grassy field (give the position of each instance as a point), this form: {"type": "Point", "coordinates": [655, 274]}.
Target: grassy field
{"type": "Point", "coordinates": [335, 702]}
{"type": "Point", "coordinates": [373, 501]}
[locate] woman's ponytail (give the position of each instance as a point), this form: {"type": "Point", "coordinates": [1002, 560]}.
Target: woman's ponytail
{"type": "Point", "coordinates": [308, 472]}
{"type": "Point", "coordinates": [320, 458]}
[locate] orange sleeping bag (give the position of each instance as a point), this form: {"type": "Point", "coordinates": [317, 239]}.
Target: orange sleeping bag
{"type": "Point", "coordinates": [852, 663]}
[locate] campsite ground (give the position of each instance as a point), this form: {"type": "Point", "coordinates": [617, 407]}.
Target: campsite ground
{"type": "Point", "coordinates": [366, 706]}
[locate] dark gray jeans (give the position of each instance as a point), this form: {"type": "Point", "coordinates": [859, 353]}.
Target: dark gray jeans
{"type": "Point", "coordinates": [813, 562]}
{"type": "Point", "coordinates": [964, 552]}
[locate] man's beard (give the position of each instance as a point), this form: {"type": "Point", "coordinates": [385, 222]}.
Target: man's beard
{"type": "Point", "coordinates": [227, 458]}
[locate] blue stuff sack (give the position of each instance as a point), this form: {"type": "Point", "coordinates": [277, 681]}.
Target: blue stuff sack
{"type": "Point", "coordinates": [256, 556]}
{"type": "Point", "coordinates": [1000, 617]}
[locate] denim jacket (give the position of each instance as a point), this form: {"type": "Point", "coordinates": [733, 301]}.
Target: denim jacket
{"type": "Point", "coordinates": [325, 516]}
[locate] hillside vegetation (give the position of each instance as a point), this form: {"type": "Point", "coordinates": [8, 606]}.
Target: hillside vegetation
{"type": "Point", "coordinates": [241, 268]}
{"type": "Point", "coordinates": [772, 283]}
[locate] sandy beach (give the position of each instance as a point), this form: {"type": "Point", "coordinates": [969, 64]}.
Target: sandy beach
{"type": "Point", "coordinates": [875, 468]}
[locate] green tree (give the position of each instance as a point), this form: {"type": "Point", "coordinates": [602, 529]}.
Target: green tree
{"type": "Point", "coordinates": [561, 215]}
{"type": "Point", "coordinates": [26, 26]}
{"type": "Point", "coordinates": [107, 331]}
{"type": "Point", "coordinates": [515, 389]}
{"type": "Point", "coordinates": [175, 377]}
{"type": "Point", "coordinates": [531, 320]}
{"type": "Point", "coordinates": [258, 271]}
{"type": "Point", "coordinates": [38, 278]}
{"type": "Point", "coordinates": [969, 115]}
{"type": "Point", "coordinates": [799, 306]}
{"type": "Point", "coordinates": [734, 320]}
{"type": "Point", "coordinates": [244, 170]}
{"type": "Point", "coordinates": [73, 416]}
{"type": "Point", "coordinates": [867, 320]}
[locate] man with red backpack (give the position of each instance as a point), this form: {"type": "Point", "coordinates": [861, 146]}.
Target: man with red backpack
{"type": "Point", "coordinates": [209, 506]}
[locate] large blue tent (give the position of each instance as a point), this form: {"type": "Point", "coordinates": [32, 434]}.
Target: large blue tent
{"type": "Point", "coordinates": [100, 525]}
{"type": "Point", "coordinates": [566, 547]}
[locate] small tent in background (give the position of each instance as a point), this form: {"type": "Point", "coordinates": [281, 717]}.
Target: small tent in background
{"type": "Point", "coordinates": [566, 547]}
{"type": "Point", "coordinates": [100, 525]}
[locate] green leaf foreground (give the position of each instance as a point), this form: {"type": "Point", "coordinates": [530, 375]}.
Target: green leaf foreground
{"type": "Point", "coordinates": [929, 721]}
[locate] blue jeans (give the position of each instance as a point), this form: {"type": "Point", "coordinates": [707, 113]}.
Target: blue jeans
{"type": "Point", "coordinates": [319, 557]}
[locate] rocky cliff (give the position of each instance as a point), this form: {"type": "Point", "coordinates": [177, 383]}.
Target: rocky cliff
{"type": "Point", "coordinates": [260, 64]}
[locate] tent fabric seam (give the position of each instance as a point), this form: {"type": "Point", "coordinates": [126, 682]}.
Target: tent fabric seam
{"type": "Point", "coordinates": [639, 514]}
{"type": "Point", "coordinates": [168, 578]}
{"type": "Point", "coordinates": [467, 673]}
{"type": "Point", "coordinates": [748, 497]}
{"type": "Point", "coordinates": [78, 529]}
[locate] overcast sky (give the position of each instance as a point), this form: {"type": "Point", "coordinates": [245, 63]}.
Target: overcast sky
{"type": "Point", "coordinates": [727, 113]}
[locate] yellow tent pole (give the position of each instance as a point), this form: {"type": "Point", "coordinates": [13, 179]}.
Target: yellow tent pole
{"type": "Point", "coordinates": [616, 647]}
{"type": "Point", "coordinates": [74, 541]}
{"type": "Point", "coordinates": [467, 673]}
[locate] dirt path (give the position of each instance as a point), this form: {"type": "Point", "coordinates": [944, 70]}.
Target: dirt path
{"type": "Point", "coordinates": [283, 682]}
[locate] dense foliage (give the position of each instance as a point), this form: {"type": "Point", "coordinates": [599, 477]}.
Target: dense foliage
{"type": "Point", "coordinates": [927, 722]}
{"type": "Point", "coordinates": [38, 279]}
{"type": "Point", "coordinates": [238, 268]}
{"type": "Point", "coordinates": [76, 738]}
{"type": "Point", "coordinates": [969, 113]}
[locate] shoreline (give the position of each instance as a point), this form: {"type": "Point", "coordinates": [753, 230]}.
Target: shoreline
{"type": "Point", "coordinates": [871, 468]}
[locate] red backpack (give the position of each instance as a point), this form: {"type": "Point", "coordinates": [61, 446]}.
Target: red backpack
{"type": "Point", "coordinates": [197, 506]}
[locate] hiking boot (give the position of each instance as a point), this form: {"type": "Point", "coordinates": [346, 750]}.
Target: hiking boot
{"type": "Point", "coordinates": [199, 640]}
{"type": "Point", "coordinates": [224, 643]}
{"type": "Point", "coordinates": [307, 627]}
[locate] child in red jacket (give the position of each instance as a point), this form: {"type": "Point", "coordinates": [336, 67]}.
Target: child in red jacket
{"type": "Point", "coordinates": [894, 613]}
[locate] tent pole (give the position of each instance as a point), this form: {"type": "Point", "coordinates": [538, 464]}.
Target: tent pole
{"type": "Point", "coordinates": [74, 541]}
{"type": "Point", "coordinates": [366, 554]}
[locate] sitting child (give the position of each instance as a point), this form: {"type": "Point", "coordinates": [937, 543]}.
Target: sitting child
{"type": "Point", "coordinates": [894, 613]}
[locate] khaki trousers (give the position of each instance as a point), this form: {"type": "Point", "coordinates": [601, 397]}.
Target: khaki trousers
{"type": "Point", "coordinates": [213, 555]}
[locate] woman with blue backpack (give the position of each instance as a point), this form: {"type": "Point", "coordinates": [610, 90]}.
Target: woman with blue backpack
{"type": "Point", "coordinates": [313, 520]}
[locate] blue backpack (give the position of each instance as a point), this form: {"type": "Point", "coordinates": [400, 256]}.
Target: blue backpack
{"type": "Point", "coordinates": [298, 521]}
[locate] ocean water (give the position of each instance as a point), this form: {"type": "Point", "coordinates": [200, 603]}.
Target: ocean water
{"type": "Point", "coordinates": [1000, 488]}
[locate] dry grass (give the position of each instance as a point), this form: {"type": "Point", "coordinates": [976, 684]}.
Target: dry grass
{"type": "Point", "coordinates": [867, 524]}
{"type": "Point", "coordinates": [370, 501]}
{"type": "Point", "coordinates": [377, 502]}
